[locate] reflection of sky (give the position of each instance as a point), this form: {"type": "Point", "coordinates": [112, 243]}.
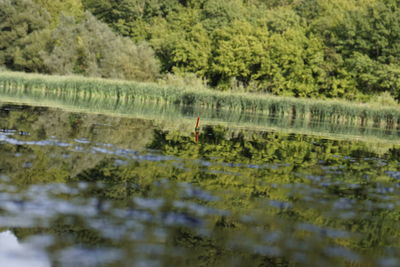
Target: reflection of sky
{"type": "Point", "coordinates": [14, 254]}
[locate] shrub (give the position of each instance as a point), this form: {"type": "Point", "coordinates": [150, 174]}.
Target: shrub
{"type": "Point", "coordinates": [24, 33]}
{"type": "Point", "coordinates": [90, 48]}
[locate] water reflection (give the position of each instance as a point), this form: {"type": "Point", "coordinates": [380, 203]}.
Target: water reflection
{"type": "Point", "coordinates": [177, 115]}
{"type": "Point", "coordinates": [15, 254]}
{"type": "Point", "coordinates": [131, 192]}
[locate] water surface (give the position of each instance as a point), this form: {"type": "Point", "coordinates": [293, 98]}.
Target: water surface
{"type": "Point", "coordinates": [88, 189]}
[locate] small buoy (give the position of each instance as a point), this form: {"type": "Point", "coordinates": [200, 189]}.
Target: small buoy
{"type": "Point", "coordinates": [197, 130]}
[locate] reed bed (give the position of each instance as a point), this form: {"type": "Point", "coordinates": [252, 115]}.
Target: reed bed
{"type": "Point", "coordinates": [333, 111]}
{"type": "Point", "coordinates": [182, 118]}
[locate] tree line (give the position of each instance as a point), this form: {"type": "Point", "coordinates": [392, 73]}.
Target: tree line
{"type": "Point", "coordinates": [306, 48]}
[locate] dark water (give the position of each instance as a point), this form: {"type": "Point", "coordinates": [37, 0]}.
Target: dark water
{"type": "Point", "coordinates": [94, 190]}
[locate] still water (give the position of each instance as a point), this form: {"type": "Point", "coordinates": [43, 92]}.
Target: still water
{"type": "Point", "coordinates": [81, 189]}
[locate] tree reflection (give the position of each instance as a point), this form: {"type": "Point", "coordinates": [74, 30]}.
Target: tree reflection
{"type": "Point", "coordinates": [237, 197]}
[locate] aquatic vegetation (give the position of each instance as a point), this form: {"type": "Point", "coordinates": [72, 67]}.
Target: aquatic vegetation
{"type": "Point", "coordinates": [334, 111]}
{"type": "Point", "coordinates": [181, 117]}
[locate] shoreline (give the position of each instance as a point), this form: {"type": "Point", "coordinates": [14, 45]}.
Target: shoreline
{"type": "Point", "coordinates": [334, 111]}
{"type": "Point", "coordinates": [171, 118]}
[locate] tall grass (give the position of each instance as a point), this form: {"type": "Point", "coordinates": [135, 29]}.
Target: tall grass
{"type": "Point", "coordinates": [334, 111]}
{"type": "Point", "coordinates": [170, 116]}
{"type": "Point", "coordinates": [182, 118]}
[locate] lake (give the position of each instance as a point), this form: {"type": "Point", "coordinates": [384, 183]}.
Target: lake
{"type": "Point", "coordinates": [105, 186]}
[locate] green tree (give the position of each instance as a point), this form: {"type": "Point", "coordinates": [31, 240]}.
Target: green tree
{"type": "Point", "coordinates": [182, 43]}
{"type": "Point", "coordinates": [238, 54]}
{"type": "Point", "coordinates": [293, 63]}
{"type": "Point", "coordinates": [58, 7]}
{"type": "Point", "coordinates": [364, 34]}
{"type": "Point", "coordinates": [282, 18]}
{"type": "Point", "coordinates": [26, 56]}
{"type": "Point", "coordinates": [23, 27]}
{"type": "Point", "coordinates": [90, 48]}
{"type": "Point", "coordinates": [220, 13]}
{"type": "Point", "coordinates": [373, 31]}
{"type": "Point", "coordinates": [130, 17]}
{"type": "Point", "coordinates": [373, 77]}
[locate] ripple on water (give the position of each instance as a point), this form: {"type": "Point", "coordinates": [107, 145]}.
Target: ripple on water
{"type": "Point", "coordinates": [393, 174]}
{"type": "Point", "coordinates": [341, 252]}
{"type": "Point", "coordinates": [75, 256]}
{"type": "Point", "coordinates": [13, 253]}
{"type": "Point", "coordinates": [323, 231]}
{"type": "Point", "coordinates": [310, 208]}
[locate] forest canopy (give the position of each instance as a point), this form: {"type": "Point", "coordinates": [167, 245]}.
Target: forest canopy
{"type": "Point", "coordinates": [307, 48]}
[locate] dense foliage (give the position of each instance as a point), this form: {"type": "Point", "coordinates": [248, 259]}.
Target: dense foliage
{"type": "Point", "coordinates": [32, 39]}
{"type": "Point", "coordinates": [308, 48]}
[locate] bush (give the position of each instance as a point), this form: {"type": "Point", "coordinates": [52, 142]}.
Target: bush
{"type": "Point", "coordinates": [90, 48]}
{"type": "Point", "coordinates": [24, 33]}
{"type": "Point", "coordinates": [184, 80]}
{"type": "Point", "coordinates": [384, 99]}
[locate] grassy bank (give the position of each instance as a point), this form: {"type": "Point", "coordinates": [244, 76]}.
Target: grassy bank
{"type": "Point", "coordinates": [182, 119]}
{"type": "Point", "coordinates": [309, 109]}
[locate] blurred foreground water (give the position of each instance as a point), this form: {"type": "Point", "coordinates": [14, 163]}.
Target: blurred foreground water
{"type": "Point", "coordinates": [84, 189]}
